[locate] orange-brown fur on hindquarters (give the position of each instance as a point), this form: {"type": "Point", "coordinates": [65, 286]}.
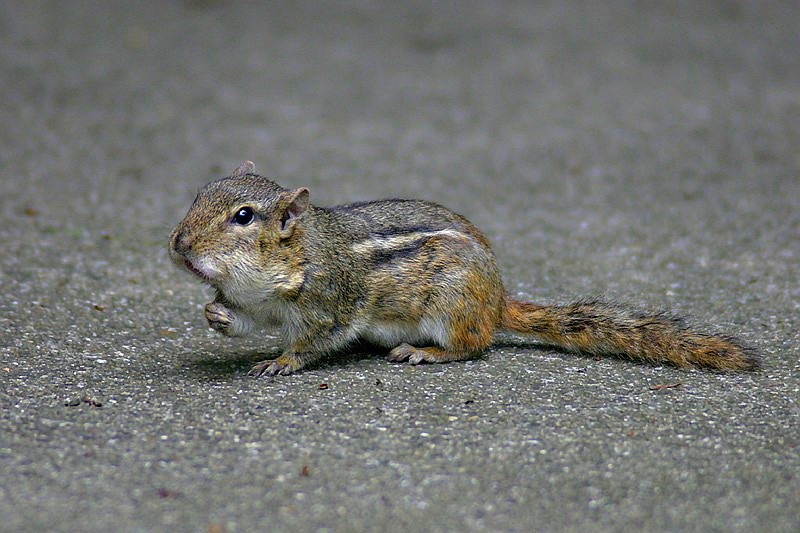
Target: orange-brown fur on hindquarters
{"type": "Point", "coordinates": [447, 285]}
{"type": "Point", "coordinates": [473, 316]}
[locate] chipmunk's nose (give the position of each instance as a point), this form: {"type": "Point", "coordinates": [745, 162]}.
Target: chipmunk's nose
{"type": "Point", "coordinates": [179, 242]}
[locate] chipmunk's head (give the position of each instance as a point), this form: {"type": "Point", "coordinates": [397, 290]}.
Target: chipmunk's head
{"type": "Point", "coordinates": [233, 233]}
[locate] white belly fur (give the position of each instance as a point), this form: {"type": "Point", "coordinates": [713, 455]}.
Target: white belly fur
{"type": "Point", "coordinates": [428, 331]}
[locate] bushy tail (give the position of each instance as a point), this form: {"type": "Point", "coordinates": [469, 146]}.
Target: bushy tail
{"type": "Point", "coordinates": [598, 328]}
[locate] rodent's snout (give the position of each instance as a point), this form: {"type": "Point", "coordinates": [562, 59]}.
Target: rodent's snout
{"type": "Point", "coordinates": [178, 243]}
{"type": "Point", "coordinates": [180, 250]}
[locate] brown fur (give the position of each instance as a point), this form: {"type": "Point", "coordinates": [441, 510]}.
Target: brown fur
{"type": "Point", "coordinates": [396, 273]}
{"type": "Point", "coordinates": [599, 328]}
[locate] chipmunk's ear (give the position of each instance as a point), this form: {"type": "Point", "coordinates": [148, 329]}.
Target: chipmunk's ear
{"type": "Point", "coordinates": [243, 169]}
{"type": "Point", "coordinates": [295, 204]}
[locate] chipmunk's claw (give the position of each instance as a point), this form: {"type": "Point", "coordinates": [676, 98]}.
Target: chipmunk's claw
{"type": "Point", "coordinates": [272, 367]}
{"type": "Point", "coordinates": [219, 318]}
{"type": "Point", "coordinates": [406, 352]}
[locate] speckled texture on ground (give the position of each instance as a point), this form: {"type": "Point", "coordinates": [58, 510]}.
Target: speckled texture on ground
{"type": "Point", "coordinates": [645, 151]}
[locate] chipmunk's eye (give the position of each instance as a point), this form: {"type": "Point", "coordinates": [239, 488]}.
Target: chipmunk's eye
{"type": "Point", "coordinates": [244, 216]}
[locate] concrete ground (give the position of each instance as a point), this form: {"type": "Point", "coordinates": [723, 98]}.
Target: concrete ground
{"type": "Point", "coordinates": [646, 151]}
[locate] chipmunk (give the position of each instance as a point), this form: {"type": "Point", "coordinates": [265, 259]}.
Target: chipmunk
{"type": "Point", "coordinates": [409, 275]}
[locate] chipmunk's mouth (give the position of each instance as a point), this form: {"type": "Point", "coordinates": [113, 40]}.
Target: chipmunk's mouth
{"type": "Point", "coordinates": [204, 274]}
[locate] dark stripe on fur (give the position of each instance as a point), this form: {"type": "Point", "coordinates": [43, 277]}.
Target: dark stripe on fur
{"type": "Point", "coordinates": [385, 256]}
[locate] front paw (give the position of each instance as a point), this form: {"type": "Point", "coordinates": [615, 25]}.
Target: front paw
{"type": "Point", "coordinates": [283, 365]}
{"type": "Point", "coordinates": [220, 318]}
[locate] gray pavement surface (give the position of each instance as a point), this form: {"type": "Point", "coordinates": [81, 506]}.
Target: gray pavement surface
{"type": "Point", "coordinates": [647, 151]}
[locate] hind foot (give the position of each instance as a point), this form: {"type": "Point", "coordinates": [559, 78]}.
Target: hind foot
{"type": "Point", "coordinates": [430, 354]}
